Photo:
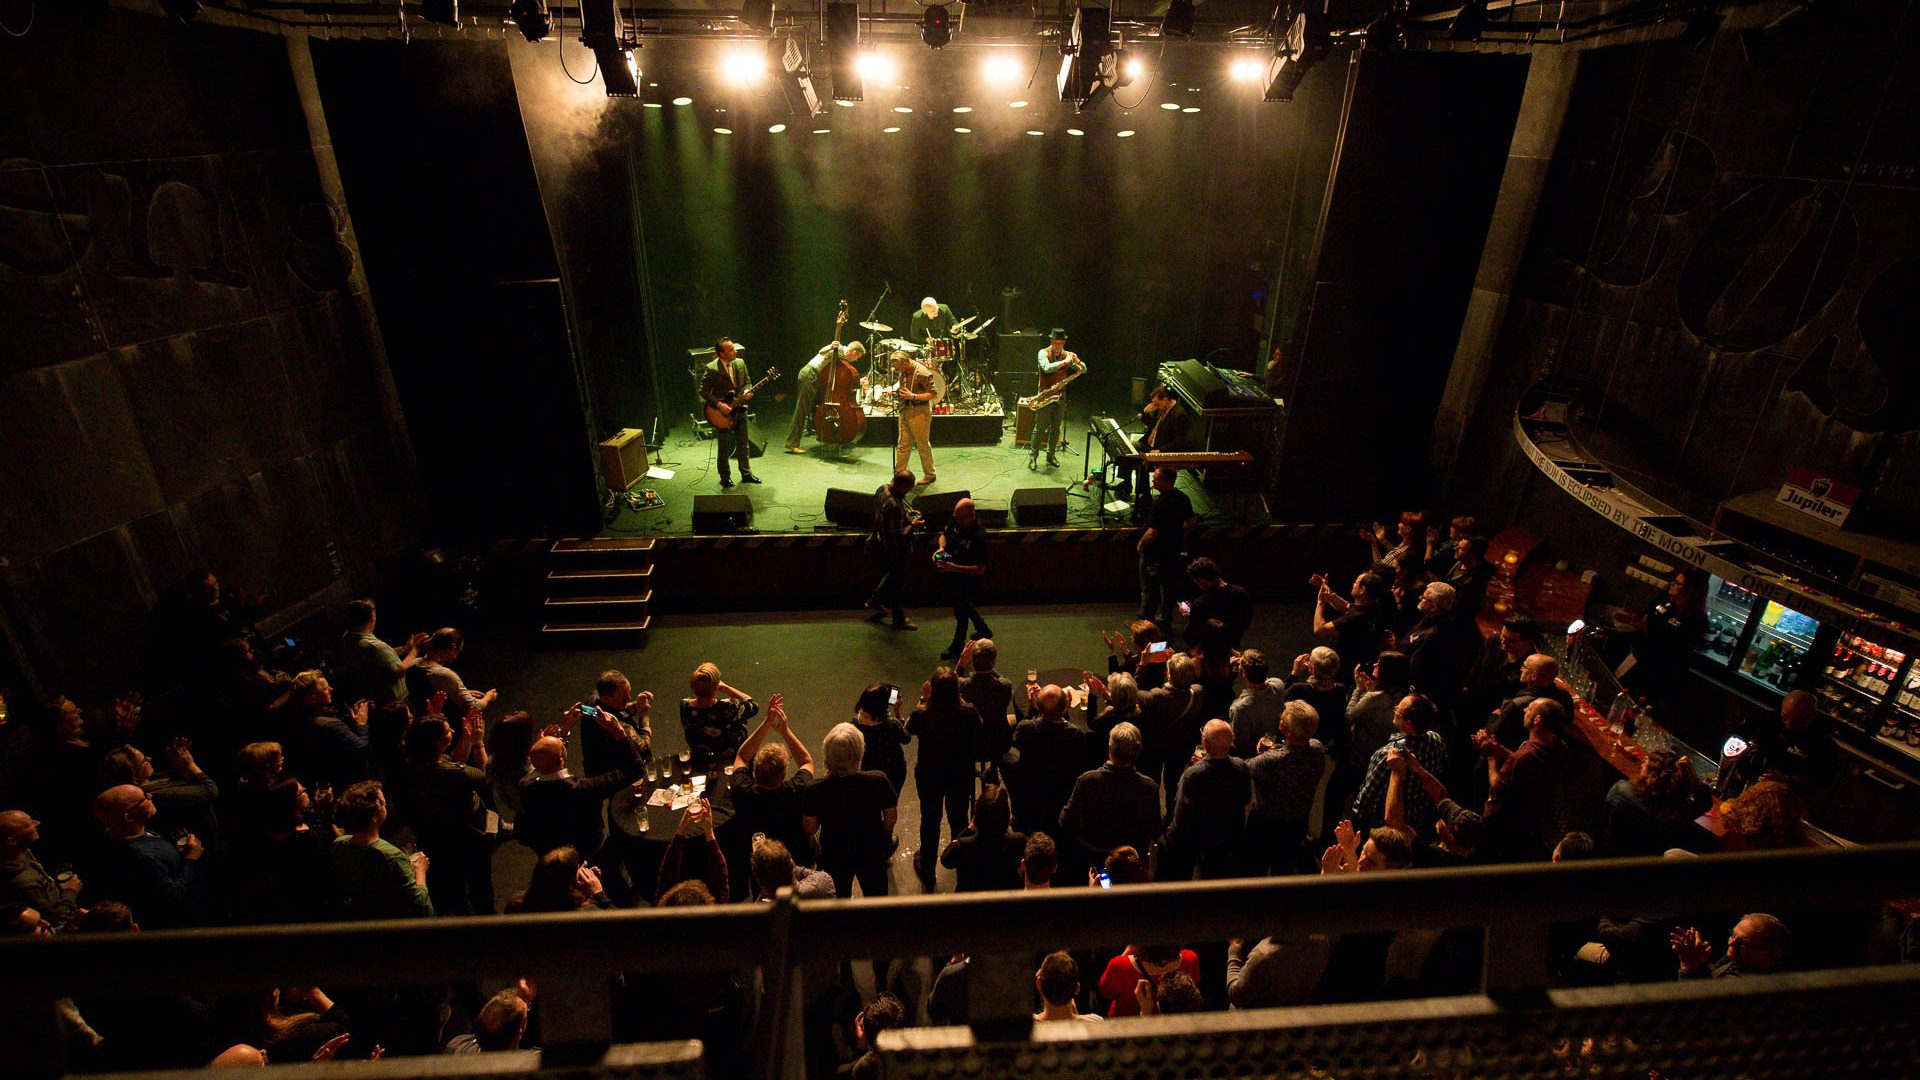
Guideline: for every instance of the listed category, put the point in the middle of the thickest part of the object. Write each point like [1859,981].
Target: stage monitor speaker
[991,515]
[850,509]
[1039,506]
[623,458]
[1018,348]
[721,513]
[937,507]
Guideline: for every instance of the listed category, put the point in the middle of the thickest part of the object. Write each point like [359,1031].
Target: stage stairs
[598,590]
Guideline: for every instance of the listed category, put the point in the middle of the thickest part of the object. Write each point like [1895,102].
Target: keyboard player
[1166,429]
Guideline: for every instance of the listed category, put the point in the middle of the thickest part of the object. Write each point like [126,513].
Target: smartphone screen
[1157,647]
[893,696]
[589,710]
[1105,881]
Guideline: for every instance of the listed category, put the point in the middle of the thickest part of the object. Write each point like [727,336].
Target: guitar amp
[623,459]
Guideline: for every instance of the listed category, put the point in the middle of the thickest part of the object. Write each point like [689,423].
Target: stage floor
[792,495]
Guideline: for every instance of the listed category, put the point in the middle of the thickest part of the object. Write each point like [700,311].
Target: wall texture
[191,369]
[1726,246]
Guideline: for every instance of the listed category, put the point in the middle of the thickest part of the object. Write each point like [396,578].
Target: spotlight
[1304,45]
[877,66]
[1001,69]
[1247,69]
[619,71]
[600,25]
[1086,48]
[1132,68]
[1178,21]
[532,17]
[796,79]
[936,27]
[843,46]
[776,129]
[1469,22]
[757,15]
[744,66]
[446,12]
[683,101]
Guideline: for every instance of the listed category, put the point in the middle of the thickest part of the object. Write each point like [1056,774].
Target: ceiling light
[1001,69]
[654,105]
[822,131]
[722,131]
[1134,67]
[888,131]
[902,109]
[962,131]
[1191,109]
[619,71]
[1127,134]
[776,129]
[683,101]
[963,108]
[1036,132]
[1247,69]
[844,104]
[877,66]
[1016,104]
[1075,131]
[1170,106]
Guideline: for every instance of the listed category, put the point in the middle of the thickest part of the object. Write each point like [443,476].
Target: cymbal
[981,329]
[962,324]
[877,327]
[898,343]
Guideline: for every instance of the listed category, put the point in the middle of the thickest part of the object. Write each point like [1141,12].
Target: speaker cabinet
[1039,506]
[623,458]
[937,507]
[1018,348]
[850,509]
[721,513]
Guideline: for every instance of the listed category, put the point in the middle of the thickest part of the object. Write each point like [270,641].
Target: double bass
[838,418]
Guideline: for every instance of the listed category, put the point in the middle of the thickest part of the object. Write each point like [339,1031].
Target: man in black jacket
[1217,599]
[1114,805]
[559,808]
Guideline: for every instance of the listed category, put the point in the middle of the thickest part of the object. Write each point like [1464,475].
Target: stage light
[1016,104]
[619,71]
[1304,44]
[963,108]
[776,129]
[796,78]
[879,67]
[1031,132]
[1170,106]
[1190,109]
[843,52]
[1127,134]
[683,101]
[1178,21]
[936,27]
[962,131]
[1469,22]
[1075,131]
[722,131]
[889,130]
[902,109]
[744,66]
[445,12]
[1132,67]
[1085,56]
[823,131]
[532,17]
[1001,69]
[1247,69]
[757,15]
[844,104]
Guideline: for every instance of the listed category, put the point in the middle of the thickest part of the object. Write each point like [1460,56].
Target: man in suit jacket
[726,374]
[1166,430]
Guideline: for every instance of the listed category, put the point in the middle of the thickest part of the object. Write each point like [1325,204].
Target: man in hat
[1057,365]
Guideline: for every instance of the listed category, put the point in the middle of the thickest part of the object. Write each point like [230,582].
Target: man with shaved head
[158,878]
[560,809]
[1048,755]
[962,562]
[1210,809]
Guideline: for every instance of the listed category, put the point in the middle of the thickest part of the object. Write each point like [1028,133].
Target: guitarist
[1056,366]
[725,386]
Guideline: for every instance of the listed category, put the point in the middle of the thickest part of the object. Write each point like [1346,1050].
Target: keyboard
[1196,459]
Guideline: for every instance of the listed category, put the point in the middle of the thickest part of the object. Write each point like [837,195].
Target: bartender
[1793,745]
[1670,630]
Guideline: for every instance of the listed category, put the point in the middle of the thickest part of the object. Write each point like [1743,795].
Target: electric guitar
[721,414]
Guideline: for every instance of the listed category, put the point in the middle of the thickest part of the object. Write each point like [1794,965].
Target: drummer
[933,322]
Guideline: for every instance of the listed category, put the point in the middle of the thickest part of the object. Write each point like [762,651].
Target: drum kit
[967,387]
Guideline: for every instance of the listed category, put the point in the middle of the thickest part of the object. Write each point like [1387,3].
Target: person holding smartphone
[1160,547]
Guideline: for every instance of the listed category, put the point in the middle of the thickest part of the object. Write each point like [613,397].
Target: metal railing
[572,955]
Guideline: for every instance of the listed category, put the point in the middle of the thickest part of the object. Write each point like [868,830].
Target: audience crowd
[376,785]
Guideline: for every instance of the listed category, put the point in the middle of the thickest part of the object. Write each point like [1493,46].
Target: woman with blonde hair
[715,718]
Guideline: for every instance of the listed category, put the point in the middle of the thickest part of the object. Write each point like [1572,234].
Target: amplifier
[1018,349]
[1039,506]
[623,458]
[721,513]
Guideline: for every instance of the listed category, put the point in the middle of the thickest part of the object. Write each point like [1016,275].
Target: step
[563,605]
[589,629]
[596,545]
[626,581]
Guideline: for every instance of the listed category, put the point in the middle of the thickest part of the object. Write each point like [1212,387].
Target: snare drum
[941,348]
